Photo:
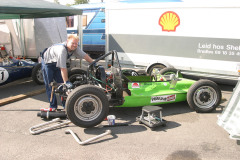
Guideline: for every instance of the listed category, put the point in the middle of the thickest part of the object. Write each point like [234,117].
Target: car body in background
[13,69]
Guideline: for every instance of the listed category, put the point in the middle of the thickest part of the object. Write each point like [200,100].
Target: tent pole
[80,31]
[80,34]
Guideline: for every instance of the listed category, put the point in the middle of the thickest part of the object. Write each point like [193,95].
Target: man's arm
[88,58]
[64,74]
[64,71]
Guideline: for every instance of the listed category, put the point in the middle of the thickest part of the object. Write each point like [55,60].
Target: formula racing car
[98,89]
[12,69]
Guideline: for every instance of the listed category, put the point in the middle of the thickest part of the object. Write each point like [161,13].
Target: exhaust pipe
[88,140]
[37,129]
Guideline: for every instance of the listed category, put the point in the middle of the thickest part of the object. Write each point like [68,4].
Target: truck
[202,39]
[92,32]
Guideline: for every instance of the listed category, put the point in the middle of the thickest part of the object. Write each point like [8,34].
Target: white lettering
[205,51]
[232,47]
[204,45]
[217,46]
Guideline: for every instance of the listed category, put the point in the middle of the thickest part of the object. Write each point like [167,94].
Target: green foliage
[56,1]
[75,3]
[80,2]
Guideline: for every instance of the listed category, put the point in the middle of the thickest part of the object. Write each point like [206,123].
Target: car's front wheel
[87,106]
[204,96]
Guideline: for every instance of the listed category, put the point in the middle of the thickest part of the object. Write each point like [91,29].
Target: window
[84,20]
[70,21]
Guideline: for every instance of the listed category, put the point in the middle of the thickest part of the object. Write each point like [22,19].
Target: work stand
[152,117]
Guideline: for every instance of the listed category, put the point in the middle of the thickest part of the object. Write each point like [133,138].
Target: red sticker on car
[135,85]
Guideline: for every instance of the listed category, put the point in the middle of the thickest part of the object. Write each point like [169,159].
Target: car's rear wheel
[169,71]
[37,74]
[204,96]
[87,106]
[155,69]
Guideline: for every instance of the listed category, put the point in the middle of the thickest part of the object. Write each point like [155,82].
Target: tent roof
[15,9]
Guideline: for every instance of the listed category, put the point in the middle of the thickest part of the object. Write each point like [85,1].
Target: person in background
[54,66]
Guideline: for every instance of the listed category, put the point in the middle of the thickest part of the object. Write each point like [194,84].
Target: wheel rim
[88,107]
[134,74]
[205,97]
[39,75]
[155,71]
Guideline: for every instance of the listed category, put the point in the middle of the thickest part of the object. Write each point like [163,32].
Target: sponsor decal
[165,98]
[169,21]
[146,83]
[3,75]
[135,85]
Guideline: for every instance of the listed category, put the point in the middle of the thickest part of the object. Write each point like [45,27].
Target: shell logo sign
[169,21]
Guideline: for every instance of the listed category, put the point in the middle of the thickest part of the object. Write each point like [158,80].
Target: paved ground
[187,136]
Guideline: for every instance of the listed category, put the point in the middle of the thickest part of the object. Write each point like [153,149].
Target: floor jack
[151,117]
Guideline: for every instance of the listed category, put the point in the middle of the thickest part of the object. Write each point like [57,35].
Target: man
[54,66]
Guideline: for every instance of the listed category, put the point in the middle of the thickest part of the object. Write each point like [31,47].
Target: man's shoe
[48,109]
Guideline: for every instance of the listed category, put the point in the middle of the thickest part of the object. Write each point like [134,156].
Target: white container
[111,119]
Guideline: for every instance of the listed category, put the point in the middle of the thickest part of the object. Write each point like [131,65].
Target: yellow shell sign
[169,21]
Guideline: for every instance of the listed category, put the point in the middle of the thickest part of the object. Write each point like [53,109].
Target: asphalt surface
[187,136]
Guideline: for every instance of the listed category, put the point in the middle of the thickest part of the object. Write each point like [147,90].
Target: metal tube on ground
[88,140]
[33,131]
[49,115]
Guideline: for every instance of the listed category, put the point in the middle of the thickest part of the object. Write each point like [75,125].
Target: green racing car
[98,89]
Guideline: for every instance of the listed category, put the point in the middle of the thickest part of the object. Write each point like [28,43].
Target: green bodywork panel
[146,92]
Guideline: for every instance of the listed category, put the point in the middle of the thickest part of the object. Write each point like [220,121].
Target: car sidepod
[155,93]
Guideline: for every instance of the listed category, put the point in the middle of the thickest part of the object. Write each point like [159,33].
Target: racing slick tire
[77,77]
[37,74]
[204,96]
[87,106]
[155,68]
[168,71]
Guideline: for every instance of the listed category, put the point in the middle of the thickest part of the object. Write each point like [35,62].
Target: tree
[56,1]
[80,2]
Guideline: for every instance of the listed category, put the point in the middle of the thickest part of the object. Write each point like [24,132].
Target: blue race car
[13,69]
